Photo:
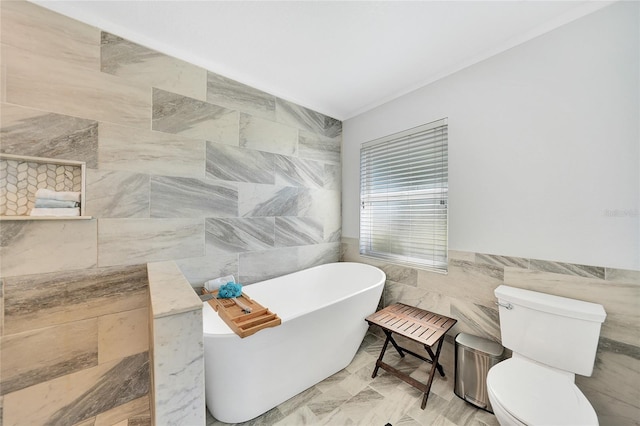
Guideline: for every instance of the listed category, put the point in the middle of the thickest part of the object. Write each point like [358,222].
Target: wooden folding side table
[418,325]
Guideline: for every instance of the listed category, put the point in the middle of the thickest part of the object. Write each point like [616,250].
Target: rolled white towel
[59,204]
[215,284]
[58,195]
[60,212]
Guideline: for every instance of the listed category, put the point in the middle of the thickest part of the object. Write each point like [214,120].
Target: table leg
[384,349]
[435,362]
[432,372]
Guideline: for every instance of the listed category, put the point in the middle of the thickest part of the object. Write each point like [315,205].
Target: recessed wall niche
[22,176]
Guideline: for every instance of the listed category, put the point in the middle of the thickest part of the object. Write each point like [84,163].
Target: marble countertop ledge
[169,290]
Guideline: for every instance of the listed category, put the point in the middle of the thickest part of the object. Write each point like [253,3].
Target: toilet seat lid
[538,395]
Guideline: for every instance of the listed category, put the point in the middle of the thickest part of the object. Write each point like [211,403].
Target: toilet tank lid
[553,304]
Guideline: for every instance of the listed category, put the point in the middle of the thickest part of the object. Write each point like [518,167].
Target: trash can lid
[480,344]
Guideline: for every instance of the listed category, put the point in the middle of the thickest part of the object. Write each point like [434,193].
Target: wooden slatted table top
[414,323]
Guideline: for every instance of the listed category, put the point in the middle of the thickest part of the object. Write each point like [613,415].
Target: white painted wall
[544,145]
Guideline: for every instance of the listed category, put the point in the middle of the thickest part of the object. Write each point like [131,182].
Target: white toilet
[552,339]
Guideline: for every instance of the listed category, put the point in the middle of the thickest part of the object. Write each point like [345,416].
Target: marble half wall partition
[177,348]
[75,347]
[466,293]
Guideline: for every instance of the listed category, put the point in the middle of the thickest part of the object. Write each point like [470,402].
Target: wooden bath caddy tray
[242,323]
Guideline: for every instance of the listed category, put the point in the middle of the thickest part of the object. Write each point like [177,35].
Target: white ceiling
[340,58]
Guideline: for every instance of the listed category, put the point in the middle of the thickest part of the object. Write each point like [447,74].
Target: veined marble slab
[116,194]
[81,395]
[146,151]
[256,200]
[178,369]
[298,231]
[40,355]
[299,172]
[181,115]
[186,197]
[132,241]
[36,301]
[130,60]
[567,268]
[234,95]
[324,204]
[169,291]
[239,164]
[31,247]
[306,119]
[265,135]
[34,28]
[239,235]
[313,146]
[60,87]
[26,131]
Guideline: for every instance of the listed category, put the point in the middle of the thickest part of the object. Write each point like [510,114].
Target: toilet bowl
[552,338]
[525,393]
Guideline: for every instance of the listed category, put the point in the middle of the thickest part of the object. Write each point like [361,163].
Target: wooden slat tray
[417,324]
[243,324]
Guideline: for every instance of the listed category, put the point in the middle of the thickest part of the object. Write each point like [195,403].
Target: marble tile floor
[352,397]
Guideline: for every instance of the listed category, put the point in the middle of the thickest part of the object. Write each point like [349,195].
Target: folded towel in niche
[55,212]
[49,203]
[58,195]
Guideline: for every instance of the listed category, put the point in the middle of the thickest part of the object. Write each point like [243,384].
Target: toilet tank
[556,331]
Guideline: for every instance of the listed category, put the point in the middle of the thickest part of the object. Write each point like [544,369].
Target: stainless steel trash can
[474,356]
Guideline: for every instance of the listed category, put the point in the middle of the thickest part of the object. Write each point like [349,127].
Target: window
[403,197]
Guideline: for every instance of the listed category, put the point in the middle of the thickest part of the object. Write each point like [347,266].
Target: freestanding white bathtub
[322,310]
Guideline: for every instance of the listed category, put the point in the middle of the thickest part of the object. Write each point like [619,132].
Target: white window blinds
[403,197]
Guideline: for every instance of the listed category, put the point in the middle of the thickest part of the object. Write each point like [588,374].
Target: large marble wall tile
[123,334]
[57,86]
[31,27]
[81,395]
[239,164]
[26,131]
[620,300]
[299,172]
[476,319]
[298,231]
[239,235]
[186,197]
[465,281]
[173,113]
[197,270]
[267,200]
[320,203]
[178,369]
[131,241]
[261,265]
[30,247]
[316,147]
[137,407]
[622,275]
[129,60]
[146,151]
[613,387]
[234,95]
[491,259]
[36,301]
[567,268]
[306,119]
[332,177]
[116,194]
[266,135]
[40,355]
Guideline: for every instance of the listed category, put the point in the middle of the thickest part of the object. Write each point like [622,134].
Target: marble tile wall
[466,293]
[182,165]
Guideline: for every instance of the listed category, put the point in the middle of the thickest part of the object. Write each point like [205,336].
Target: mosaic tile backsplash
[19,181]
